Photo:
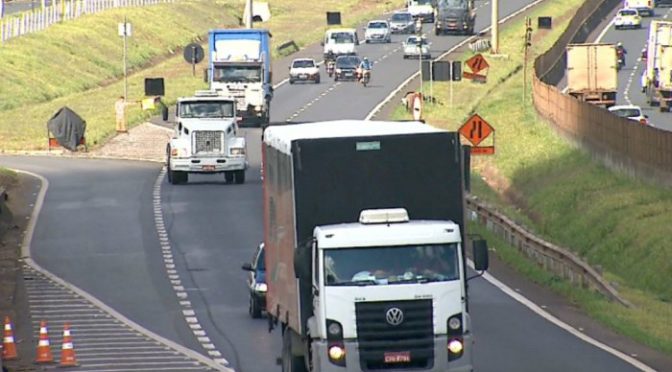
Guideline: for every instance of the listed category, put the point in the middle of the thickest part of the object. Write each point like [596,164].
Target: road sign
[193,53]
[477,63]
[124,29]
[476,129]
[483,150]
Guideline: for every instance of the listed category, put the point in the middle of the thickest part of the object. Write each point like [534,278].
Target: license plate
[303,76]
[398,357]
[348,74]
[209,168]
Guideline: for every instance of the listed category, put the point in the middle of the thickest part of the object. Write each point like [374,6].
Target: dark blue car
[256,282]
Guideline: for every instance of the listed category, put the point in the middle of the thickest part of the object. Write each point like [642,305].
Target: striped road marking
[102,343]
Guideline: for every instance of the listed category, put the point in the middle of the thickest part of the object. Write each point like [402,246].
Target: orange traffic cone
[8,345]
[43,347]
[68,349]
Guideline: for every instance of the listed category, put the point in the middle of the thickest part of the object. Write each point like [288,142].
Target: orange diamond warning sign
[476,129]
[477,63]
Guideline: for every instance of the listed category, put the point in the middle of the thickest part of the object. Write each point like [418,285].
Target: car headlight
[260,287]
[237,151]
[338,70]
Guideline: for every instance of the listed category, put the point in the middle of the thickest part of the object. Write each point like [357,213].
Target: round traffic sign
[193,53]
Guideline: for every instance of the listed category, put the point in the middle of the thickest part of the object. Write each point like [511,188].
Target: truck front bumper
[208,165]
[353,363]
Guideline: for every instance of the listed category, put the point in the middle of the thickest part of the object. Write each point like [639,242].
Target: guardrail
[33,21]
[620,144]
[551,257]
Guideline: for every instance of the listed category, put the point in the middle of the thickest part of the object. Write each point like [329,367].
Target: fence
[557,260]
[63,10]
[636,150]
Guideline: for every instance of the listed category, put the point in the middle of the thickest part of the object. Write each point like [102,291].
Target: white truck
[206,139]
[364,241]
[421,9]
[592,74]
[658,79]
[643,6]
[340,41]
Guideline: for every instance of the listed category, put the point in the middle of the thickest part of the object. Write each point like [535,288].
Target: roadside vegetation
[615,223]
[79,63]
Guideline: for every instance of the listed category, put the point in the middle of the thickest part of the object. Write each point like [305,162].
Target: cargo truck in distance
[206,139]
[592,74]
[455,16]
[659,65]
[240,66]
[365,246]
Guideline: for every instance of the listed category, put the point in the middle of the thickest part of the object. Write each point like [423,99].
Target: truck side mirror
[301,264]
[480,255]
[322,43]
[247,266]
[164,112]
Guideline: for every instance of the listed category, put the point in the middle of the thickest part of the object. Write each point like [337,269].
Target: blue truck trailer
[240,67]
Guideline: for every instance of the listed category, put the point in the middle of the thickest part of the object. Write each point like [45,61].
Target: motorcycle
[620,57]
[363,76]
[331,65]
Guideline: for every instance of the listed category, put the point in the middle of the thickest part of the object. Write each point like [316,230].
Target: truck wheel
[228,177]
[290,363]
[254,309]
[240,176]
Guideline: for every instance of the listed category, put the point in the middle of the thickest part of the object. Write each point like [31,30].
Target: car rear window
[303,64]
[627,113]
[401,17]
[628,12]
[377,25]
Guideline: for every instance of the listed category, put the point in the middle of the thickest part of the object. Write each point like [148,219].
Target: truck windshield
[342,38]
[391,265]
[459,4]
[237,74]
[206,109]
[421,2]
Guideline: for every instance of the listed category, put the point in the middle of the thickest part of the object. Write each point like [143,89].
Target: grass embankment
[619,224]
[78,63]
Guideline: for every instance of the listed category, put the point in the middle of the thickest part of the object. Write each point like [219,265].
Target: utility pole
[495,27]
[450,83]
[250,14]
[418,29]
[2,8]
[126,29]
[528,43]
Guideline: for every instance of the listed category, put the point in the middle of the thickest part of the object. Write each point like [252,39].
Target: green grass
[30,108]
[612,221]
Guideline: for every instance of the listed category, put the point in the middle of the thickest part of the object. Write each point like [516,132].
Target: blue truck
[240,67]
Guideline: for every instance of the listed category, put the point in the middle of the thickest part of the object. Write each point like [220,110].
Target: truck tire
[254,309]
[240,176]
[290,363]
[228,176]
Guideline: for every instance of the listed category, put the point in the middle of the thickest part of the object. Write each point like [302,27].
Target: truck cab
[455,16]
[205,139]
[421,9]
[390,294]
[340,41]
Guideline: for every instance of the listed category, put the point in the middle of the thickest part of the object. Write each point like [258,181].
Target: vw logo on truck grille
[394,316]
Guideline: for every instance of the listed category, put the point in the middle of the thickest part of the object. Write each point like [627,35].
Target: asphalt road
[97,230]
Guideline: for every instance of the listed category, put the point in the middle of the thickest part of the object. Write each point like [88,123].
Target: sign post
[475,130]
[125,32]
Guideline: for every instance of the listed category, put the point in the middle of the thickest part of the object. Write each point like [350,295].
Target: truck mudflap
[440,362]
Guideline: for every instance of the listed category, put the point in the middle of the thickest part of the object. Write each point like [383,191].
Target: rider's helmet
[619,44]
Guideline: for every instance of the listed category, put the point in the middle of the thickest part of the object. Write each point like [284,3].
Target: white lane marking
[451,50]
[604,31]
[559,323]
[307,105]
[109,312]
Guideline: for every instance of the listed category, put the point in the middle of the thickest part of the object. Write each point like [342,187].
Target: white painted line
[559,323]
[604,31]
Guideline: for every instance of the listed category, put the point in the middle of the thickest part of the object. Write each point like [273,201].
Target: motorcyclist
[364,67]
[330,63]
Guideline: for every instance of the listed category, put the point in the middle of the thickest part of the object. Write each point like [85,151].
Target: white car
[378,31]
[629,18]
[416,47]
[631,112]
[643,6]
[304,69]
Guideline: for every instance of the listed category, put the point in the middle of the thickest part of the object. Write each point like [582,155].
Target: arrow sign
[477,63]
[476,129]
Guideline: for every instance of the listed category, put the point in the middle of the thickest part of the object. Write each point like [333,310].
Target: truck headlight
[257,107]
[455,346]
[336,353]
[260,287]
[454,323]
[237,151]
[334,329]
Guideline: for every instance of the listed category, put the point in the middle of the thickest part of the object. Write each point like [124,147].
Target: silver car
[378,31]
[402,23]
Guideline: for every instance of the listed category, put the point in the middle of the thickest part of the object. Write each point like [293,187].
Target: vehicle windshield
[628,12]
[347,62]
[206,109]
[342,38]
[458,4]
[414,41]
[303,63]
[422,2]
[237,74]
[377,25]
[391,265]
[627,113]
[402,17]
